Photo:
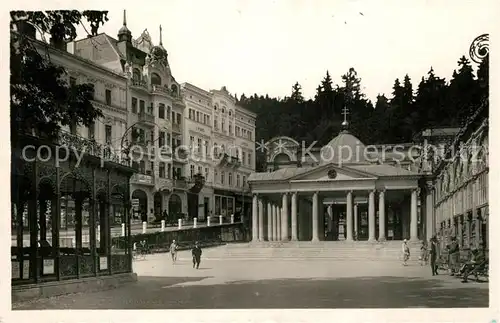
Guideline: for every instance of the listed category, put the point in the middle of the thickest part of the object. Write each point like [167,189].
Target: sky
[265,46]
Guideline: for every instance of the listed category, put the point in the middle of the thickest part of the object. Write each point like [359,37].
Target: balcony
[230,161]
[158,89]
[140,84]
[146,117]
[90,147]
[142,179]
[176,127]
[180,183]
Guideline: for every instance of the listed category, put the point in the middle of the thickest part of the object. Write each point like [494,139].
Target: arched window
[136,74]
[155,79]
[174,89]
[230,112]
[215,107]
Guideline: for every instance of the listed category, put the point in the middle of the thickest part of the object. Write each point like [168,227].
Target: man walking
[196,253]
[454,252]
[406,252]
[173,251]
[433,255]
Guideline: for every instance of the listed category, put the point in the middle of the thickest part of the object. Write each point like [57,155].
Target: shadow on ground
[358,292]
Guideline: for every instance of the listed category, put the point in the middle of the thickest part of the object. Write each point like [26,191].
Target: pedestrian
[423,253]
[433,255]
[454,252]
[196,253]
[173,251]
[406,252]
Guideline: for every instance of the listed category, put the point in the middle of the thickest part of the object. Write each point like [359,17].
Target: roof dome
[343,149]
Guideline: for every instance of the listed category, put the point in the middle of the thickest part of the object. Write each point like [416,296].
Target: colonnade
[276,216]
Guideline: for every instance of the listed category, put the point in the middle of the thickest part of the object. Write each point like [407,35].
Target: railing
[176,127]
[140,83]
[90,147]
[180,183]
[142,179]
[146,117]
[163,90]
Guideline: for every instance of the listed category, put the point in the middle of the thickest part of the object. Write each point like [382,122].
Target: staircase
[341,250]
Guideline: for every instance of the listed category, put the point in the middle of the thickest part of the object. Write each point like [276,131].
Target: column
[275,221]
[255,219]
[371,216]
[261,220]
[413,216]
[269,221]
[477,228]
[381,216]
[278,223]
[315,218]
[284,217]
[349,216]
[429,212]
[356,221]
[294,217]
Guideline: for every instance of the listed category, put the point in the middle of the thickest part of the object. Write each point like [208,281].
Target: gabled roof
[366,171]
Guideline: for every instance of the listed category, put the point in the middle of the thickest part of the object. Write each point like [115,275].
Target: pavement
[275,283]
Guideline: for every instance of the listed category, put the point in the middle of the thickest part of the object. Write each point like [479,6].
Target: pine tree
[297,93]
[463,92]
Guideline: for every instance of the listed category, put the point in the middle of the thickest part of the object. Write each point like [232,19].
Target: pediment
[333,172]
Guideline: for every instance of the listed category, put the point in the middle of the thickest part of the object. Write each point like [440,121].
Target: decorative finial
[124,17]
[161,42]
[480,48]
[345,112]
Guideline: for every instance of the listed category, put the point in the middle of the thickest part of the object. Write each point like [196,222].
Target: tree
[463,92]
[297,93]
[42,99]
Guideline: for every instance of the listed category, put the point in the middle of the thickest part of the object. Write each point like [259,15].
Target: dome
[343,149]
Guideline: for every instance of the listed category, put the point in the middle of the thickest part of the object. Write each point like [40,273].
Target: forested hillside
[393,118]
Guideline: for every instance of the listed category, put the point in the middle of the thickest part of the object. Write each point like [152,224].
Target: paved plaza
[275,283]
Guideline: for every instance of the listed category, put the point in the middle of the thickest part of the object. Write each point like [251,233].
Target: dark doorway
[206,203]
[192,205]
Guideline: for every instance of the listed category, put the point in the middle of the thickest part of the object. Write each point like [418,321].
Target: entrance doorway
[206,203]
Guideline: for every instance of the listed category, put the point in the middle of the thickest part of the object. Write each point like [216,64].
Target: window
[136,74]
[223,110]
[168,139]
[237,130]
[216,124]
[168,171]
[199,146]
[222,125]
[200,170]
[161,141]
[215,176]
[162,170]
[238,180]
[206,173]
[108,134]
[244,180]
[222,177]
[134,105]
[161,111]
[151,109]
[244,157]
[197,116]
[250,159]
[168,112]
[91,131]
[192,170]
[230,129]
[250,135]
[230,179]
[142,106]
[208,120]
[178,118]
[152,136]
[191,141]
[142,167]
[151,168]
[173,116]
[230,113]
[108,97]
[155,79]
[206,147]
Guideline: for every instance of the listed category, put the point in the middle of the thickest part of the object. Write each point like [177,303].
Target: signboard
[103,263]
[390,233]
[48,266]
[26,269]
[135,204]
[16,273]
